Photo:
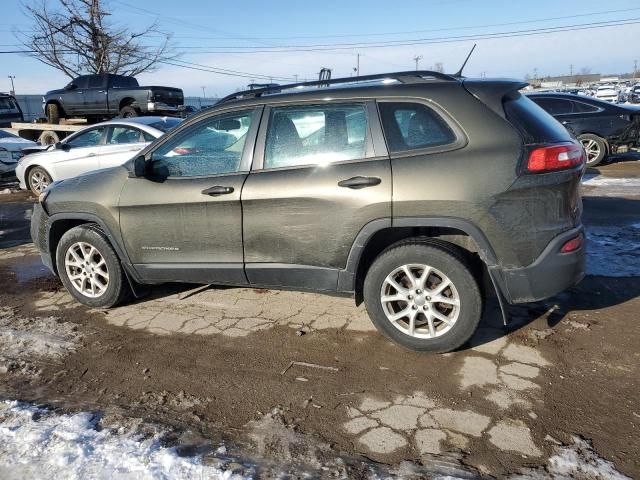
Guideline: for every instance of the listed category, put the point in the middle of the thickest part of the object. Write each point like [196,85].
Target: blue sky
[201,28]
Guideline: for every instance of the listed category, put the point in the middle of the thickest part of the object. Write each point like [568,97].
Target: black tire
[128,112]
[37,180]
[53,113]
[600,144]
[117,288]
[445,260]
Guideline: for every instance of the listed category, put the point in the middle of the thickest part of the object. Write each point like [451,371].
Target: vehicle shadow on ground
[594,293]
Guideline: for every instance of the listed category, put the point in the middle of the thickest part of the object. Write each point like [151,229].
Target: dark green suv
[417,192]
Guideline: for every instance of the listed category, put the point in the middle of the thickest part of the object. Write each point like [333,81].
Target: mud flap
[501,300]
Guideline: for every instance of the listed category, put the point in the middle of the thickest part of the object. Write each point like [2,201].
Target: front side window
[121,135]
[315,135]
[88,138]
[95,81]
[413,126]
[212,147]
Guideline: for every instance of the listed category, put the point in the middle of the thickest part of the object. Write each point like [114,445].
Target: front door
[183,221]
[121,144]
[81,153]
[319,178]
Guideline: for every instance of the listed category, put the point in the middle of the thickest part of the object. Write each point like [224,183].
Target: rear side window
[555,106]
[579,107]
[413,126]
[315,135]
[535,125]
[123,82]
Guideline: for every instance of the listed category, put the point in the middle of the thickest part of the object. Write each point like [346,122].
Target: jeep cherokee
[419,193]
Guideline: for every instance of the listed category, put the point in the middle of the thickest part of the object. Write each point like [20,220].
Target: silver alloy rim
[591,148]
[86,269]
[420,301]
[39,181]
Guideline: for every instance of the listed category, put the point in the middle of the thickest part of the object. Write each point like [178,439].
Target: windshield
[8,105]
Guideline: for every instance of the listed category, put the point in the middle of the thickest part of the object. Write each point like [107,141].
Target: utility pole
[204,92]
[357,64]
[417,59]
[13,88]
[571,73]
[296,77]
[635,69]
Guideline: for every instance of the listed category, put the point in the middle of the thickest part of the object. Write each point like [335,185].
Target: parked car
[109,95]
[417,195]
[100,146]
[607,93]
[10,110]
[602,128]
[11,150]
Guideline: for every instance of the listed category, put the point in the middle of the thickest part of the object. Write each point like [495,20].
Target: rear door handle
[217,190]
[359,182]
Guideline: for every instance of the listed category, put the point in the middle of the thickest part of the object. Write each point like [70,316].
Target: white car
[608,93]
[11,151]
[103,145]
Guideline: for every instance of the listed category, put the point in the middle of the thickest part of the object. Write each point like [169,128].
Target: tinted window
[211,147]
[81,82]
[535,124]
[579,107]
[95,81]
[8,105]
[88,138]
[555,106]
[123,82]
[120,135]
[411,126]
[315,135]
[148,137]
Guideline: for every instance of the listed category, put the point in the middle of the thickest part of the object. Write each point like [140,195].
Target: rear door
[318,178]
[121,144]
[73,99]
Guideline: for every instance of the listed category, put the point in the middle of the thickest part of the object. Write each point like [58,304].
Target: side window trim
[371,148]
[249,146]
[461,139]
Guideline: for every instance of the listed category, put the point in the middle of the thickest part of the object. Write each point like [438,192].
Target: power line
[422,41]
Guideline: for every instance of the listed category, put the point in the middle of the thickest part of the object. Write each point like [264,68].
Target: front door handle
[359,182]
[217,190]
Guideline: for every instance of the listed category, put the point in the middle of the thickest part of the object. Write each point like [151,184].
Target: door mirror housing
[62,146]
[139,167]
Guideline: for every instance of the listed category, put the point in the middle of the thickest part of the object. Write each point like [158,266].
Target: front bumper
[40,235]
[551,273]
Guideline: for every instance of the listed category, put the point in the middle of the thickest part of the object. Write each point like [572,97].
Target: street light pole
[13,88]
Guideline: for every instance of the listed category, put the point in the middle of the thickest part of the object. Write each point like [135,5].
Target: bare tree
[78,37]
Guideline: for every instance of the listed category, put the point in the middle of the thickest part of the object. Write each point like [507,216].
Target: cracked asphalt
[214,361]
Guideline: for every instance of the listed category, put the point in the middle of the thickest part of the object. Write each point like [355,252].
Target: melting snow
[613,251]
[38,444]
[611,186]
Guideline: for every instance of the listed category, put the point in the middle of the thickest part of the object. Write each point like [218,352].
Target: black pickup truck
[108,96]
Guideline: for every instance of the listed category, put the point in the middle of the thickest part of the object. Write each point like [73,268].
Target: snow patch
[578,460]
[611,186]
[613,251]
[38,444]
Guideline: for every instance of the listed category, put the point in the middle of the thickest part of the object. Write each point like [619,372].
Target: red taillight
[572,245]
[557,157]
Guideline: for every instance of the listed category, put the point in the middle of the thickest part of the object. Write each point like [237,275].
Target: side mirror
[57,145]
[139,166]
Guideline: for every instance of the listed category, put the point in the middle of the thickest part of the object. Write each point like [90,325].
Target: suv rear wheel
[89,267]
[423,297]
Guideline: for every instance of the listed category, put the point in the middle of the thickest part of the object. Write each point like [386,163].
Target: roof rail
[411,76]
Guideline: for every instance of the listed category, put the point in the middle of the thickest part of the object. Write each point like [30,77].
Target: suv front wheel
[423,297]
[89,267]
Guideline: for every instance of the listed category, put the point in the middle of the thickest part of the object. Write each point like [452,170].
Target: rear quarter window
[413,126]
[535,125]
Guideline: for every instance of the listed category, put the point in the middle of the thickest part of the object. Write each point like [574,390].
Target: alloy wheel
[591,148]
[39,181]
[420,301]
[87,269]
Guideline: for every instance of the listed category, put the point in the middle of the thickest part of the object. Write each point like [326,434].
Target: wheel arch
[127,102]
[378,235]
[55,102]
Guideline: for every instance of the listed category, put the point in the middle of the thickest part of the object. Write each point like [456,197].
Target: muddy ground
[214,363]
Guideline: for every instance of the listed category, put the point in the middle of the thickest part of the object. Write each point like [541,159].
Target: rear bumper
[551,273]
[159,107]
[40,235]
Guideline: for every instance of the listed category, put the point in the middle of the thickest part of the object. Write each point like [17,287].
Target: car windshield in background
[165,124]
[8,105]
